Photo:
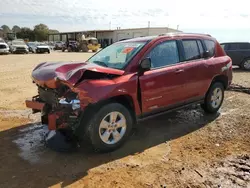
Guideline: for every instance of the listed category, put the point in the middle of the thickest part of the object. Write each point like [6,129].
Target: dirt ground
[186,148]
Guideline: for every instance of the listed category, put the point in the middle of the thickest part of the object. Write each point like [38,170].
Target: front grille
[2,46]
[20,48]
[42,50]
[48,96]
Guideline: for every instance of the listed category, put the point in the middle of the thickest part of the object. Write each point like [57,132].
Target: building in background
[107,37]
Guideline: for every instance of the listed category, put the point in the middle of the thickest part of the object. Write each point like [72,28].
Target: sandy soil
[183,149]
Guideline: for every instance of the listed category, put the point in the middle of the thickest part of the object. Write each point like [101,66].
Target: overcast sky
[226,20]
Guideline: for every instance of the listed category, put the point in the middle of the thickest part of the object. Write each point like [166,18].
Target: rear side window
[191,50]
[164,54]
[210,45]
[233,46]
[244,46]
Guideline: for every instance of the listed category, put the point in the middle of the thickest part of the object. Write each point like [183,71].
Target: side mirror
[145,65]
[206,54]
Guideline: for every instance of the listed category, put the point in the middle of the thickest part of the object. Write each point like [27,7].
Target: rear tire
[105,133]
[214,98]
[245,65]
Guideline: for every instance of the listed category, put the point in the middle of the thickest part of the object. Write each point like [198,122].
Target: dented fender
[93,91]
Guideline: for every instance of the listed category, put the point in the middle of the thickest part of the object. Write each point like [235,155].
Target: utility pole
[148,27]
[177,27]
[110,25]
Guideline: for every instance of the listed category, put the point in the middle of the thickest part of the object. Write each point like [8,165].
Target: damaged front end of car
[59,100]
[59,107]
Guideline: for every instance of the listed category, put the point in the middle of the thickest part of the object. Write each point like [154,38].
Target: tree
[26,33]
[1,33]
[5,29]
[16,29]
[41,32]
[53,31]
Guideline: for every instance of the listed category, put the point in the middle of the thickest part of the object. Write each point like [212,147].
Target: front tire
[214,98]
[109,128]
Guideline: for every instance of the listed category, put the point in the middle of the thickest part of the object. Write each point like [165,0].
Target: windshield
[18,43]
[31,44]
[117,55]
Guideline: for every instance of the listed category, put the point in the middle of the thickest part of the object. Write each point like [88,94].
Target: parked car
[102,99]
[4,48]
[239,53]
[71,46]
[32,46]
[42,48]
[58,45]
[19,46]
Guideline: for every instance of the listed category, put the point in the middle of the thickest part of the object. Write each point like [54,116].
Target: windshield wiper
[101,63]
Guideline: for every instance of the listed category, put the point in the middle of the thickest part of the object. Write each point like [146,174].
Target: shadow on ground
[31,164]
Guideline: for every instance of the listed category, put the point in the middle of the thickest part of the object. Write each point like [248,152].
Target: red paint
[52,121]
[34,104]
[158,88]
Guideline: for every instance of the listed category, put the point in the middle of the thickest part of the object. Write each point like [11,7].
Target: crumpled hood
[48,74]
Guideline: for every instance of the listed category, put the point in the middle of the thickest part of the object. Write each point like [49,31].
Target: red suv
[103,98]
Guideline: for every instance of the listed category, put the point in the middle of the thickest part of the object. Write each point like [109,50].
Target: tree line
[38,33]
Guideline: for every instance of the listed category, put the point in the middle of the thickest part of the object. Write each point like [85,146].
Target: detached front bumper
[37,106]
[56,119]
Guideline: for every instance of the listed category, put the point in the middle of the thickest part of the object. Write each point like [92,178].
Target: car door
[196,69]
[162,85]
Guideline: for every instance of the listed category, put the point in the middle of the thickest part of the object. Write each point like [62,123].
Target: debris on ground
[239,88]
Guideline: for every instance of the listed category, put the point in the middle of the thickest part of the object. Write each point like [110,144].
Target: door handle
[178,71]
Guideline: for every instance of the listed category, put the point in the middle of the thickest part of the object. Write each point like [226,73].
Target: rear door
[196,69]
[162,85]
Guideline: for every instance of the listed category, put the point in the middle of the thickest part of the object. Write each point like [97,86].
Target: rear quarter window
[210,45]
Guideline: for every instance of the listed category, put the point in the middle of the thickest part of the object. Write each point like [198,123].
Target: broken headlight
[75,103]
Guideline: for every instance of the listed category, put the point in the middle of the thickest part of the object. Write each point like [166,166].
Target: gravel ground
[183,149]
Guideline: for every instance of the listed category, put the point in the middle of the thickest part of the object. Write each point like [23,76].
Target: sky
[225,20]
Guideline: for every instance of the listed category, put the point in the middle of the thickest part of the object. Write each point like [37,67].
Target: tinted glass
[244,46]
[200,48]
[210,45]
[191,50]
[164,54]
[233,46]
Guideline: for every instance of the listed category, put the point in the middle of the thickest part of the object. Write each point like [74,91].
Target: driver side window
[164,54]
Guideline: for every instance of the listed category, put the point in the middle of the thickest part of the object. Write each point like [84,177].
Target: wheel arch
[126,100]
[222,79]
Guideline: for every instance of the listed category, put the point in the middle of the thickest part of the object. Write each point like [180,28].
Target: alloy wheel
[112,128]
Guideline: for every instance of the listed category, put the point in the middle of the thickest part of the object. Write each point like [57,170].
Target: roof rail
[172,33]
